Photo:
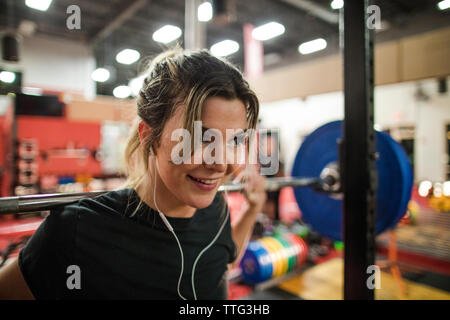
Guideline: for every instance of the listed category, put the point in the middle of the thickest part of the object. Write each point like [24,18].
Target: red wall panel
[58,134]
[6,121]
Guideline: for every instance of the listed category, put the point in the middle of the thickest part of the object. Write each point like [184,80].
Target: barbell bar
[41,202]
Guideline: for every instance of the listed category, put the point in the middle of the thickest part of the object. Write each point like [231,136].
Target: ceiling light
[41,5]
[167,34]
[337,4]
[312,46]
[224,48]
[445,4]
[205,12]
[100,75]
[122,92]
[7,76]
[32,91]
[268,31]
[128,56]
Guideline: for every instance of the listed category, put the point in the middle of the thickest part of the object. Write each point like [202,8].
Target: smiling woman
[180,90]
[167,234]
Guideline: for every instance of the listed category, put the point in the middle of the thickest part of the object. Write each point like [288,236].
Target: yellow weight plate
[273,257]
[279,263]
[284,255]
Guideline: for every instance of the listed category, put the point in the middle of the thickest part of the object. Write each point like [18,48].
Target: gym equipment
[301,245]
[280,261]
[316,166]
[289,252]
[272,257]
[256,264]
[318,155]
[48,201]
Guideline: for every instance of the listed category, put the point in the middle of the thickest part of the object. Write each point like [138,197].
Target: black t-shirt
[123,256]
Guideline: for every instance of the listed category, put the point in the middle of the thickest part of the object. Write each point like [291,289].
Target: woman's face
[186,183]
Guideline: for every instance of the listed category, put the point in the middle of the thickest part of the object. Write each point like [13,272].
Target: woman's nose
[215,159]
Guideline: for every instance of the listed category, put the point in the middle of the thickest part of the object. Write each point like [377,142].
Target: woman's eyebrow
[239,129]
[239,132]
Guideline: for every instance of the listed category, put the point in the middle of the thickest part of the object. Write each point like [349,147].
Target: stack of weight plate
[271,257]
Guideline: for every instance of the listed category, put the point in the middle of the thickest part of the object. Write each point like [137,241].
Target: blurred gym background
[71,69]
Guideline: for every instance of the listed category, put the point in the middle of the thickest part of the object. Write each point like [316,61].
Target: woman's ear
[144,131]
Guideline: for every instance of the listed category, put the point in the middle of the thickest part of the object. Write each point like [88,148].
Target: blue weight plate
[256,264]
[324,212]
[407,175]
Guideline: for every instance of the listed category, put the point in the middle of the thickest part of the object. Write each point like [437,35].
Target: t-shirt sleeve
[45,258]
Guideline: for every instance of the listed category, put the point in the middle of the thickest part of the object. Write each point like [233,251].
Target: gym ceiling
[112,25]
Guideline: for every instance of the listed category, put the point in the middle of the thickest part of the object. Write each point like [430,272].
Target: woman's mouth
[204,184]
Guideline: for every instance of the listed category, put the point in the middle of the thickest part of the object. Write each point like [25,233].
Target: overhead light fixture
[7,76]
[167,34]
[205,11]
[224,48]
[100,75]
[122,92]
[337,4]
[32,91]
[312,46]
[443,5]
[128,56]
[41,5]
[268,31]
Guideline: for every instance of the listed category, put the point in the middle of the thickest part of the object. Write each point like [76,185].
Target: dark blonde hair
[174,78]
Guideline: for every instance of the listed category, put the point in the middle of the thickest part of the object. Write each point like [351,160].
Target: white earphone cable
[166,222]
[206,248]
[169,226]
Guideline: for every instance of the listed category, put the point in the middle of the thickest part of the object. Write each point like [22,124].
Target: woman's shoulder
[110,203]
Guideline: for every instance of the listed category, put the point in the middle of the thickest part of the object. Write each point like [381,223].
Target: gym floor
[417,267]
[325,282]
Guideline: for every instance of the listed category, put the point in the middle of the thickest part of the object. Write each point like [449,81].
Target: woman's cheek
[233,169]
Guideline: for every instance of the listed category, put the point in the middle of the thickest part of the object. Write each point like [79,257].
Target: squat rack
[358,172]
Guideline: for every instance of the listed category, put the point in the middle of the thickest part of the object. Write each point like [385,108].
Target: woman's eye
[237,141]
[211,140]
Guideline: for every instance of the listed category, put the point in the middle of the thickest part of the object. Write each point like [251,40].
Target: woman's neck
[166,202]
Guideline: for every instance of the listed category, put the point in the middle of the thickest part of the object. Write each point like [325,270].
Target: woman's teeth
[205,181]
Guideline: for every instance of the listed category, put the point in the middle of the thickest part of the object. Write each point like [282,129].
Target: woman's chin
[201,202]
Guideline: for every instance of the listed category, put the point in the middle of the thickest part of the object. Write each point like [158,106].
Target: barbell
[41,202]
[316,166]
